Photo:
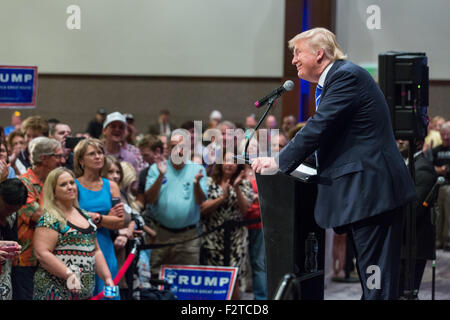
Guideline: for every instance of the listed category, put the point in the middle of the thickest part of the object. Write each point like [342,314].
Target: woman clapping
[229,198]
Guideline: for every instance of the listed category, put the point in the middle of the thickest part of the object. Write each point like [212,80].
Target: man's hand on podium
[265,165]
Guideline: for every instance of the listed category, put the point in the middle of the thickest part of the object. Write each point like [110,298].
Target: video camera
[71,142]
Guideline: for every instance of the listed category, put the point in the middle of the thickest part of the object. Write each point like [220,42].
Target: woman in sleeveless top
[65,244]
[94,195]
[229,198]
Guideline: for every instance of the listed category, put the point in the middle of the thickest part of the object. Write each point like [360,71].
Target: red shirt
[254,211]
[25,226]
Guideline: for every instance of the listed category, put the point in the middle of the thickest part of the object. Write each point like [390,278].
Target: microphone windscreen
[288,85]
[440,180]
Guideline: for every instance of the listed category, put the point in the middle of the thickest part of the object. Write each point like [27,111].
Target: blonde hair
[433,138]
[35,123]
[80,150]
[129,176]
[50,203]
[320,38]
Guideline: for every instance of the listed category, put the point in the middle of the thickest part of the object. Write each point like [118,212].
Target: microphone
[287,86]
[439,181]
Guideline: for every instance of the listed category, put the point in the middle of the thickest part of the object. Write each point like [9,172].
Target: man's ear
[320,54]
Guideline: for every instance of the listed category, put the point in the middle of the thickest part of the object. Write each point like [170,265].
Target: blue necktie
[318,94]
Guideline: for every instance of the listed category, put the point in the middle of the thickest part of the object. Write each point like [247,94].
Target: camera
[139,222]
[71,142]
[135,216]
[114,201]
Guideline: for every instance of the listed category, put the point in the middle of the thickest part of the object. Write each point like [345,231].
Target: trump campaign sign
[18,87]
[200,282]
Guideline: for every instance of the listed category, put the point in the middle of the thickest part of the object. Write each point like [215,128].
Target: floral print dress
[76,249]
[5,266]
[213,243]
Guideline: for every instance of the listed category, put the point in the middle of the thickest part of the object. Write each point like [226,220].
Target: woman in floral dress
[66,244]
[229,198]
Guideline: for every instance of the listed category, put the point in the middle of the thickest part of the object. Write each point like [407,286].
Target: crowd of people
[71,205]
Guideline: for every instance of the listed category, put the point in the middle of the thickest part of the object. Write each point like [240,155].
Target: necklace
[92,185]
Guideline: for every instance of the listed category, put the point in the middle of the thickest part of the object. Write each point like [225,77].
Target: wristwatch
[98,218]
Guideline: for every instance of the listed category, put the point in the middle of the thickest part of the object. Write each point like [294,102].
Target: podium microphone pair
[439,181]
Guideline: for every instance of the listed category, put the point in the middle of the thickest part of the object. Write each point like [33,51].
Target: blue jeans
[258,263]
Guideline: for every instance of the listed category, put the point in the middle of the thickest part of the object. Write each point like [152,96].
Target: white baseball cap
[215,115]
[115,116]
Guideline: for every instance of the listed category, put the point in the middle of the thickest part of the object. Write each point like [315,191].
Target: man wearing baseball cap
[114,130]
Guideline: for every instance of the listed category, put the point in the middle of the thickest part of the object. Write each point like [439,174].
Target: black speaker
[403,78]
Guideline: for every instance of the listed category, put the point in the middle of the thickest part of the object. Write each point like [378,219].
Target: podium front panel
[287,212]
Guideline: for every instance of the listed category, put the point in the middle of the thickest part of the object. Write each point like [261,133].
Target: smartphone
[111,292]
[114,201]
[71,142]
[9,248]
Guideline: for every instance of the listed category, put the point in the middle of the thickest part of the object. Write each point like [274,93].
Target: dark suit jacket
[425,178]
[155,128]
[94,129]
[361,172]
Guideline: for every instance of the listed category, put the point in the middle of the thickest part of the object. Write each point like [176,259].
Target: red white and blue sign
[200,282]
[18,86]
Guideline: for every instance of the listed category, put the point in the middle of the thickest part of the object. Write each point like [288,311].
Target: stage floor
[352,291]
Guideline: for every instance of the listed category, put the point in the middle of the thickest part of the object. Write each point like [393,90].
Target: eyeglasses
[57,155]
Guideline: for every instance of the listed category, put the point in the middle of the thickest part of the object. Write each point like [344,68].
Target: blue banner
[18,86]
[200,282]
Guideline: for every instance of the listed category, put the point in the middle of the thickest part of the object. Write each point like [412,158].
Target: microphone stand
[245,157]
[433,279]
[433,262]
[411,245]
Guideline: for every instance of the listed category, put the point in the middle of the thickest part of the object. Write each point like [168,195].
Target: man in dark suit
[425,178]
[363,182]
[163,126]
[95,126]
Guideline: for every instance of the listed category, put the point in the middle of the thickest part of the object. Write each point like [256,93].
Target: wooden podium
[287,213]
